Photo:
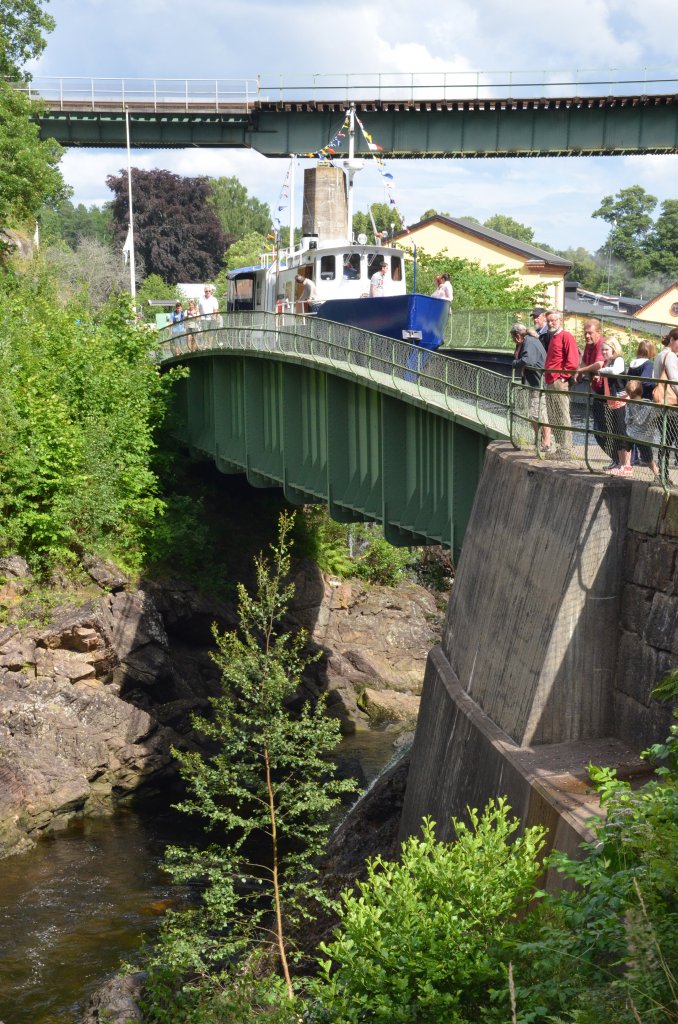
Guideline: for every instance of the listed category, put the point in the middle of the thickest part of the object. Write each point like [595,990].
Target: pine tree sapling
[266,793]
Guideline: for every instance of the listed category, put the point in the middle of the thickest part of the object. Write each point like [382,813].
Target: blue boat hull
[393,315]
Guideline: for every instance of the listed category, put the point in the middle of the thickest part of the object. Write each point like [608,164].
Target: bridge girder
[578,126]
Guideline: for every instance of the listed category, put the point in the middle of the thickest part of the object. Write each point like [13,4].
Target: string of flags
[283,201]
[329,151]
[387,178]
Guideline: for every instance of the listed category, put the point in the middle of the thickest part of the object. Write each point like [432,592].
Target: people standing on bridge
[540,328]
[588,371]
[666,369]
[308,295]
[209,307]
[192,314]
[562,360]
[614,390]
[529,358]
[443,288]
[378,282]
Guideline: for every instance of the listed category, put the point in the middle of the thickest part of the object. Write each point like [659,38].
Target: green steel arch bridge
[470,114]
[377,429]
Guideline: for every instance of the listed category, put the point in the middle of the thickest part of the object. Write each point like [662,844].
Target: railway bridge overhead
[508,114]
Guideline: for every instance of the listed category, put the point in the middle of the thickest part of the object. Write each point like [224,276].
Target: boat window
[374,262]
[396,268]
[352,266]
[241,293]
[328,268]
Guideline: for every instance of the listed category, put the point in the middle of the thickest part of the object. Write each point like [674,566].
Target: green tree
[629,214]
[239,213]
[440,213]
[29,174]
[425,939]
[662,242]
[246,252]
[24,24]
[475,287]
[266,795]
[508,226]
[68,223]
[385,218]
[79,404]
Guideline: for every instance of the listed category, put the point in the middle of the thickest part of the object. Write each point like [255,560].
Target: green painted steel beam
[327,438]
[602,125]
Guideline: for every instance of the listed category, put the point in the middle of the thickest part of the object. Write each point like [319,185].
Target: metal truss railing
[339,86]
[586,431]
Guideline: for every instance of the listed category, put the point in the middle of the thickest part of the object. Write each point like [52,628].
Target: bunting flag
[387,178]
[283,200]
[328,152]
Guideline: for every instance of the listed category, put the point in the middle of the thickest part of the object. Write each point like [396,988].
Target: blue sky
[240,39]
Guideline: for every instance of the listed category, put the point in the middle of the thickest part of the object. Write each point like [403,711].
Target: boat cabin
[338,272]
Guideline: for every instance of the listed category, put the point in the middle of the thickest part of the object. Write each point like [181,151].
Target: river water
[81,902]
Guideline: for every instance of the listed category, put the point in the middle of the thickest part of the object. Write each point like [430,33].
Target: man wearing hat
[540,327]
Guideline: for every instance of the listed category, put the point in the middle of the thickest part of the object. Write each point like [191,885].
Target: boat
[340,267]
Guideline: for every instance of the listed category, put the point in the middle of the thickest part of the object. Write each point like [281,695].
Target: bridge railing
[490,328]
[426,378]
[339,86]
[586,430]
[155,93]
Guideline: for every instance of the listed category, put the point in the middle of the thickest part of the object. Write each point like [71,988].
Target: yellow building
[467,240]
[662,309]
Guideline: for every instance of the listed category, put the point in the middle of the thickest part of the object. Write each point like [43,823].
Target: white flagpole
[130,235]
[293,160]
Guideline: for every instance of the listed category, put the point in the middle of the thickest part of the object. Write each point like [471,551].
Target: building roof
[469,227]
[651,301]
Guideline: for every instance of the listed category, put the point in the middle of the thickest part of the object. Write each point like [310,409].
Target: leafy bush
[355,549]
[79,403]
[425,938]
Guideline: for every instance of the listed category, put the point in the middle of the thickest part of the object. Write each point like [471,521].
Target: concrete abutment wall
[563,617]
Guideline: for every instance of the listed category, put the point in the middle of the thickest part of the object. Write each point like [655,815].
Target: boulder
[117,1002]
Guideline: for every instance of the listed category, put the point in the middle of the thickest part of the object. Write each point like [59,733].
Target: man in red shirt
[562,361]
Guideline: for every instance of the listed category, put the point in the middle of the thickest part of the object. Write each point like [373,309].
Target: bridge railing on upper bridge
[491,328]
[587,430]
[218,94]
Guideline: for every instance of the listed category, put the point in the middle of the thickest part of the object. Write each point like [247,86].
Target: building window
[674,309]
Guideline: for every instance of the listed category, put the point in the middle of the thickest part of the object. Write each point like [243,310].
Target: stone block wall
[648,627]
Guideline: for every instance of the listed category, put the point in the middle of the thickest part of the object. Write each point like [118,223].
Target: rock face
[91,706]
[372,637]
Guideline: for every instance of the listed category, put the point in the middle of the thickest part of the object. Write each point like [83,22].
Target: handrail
[396,86]
[501,406]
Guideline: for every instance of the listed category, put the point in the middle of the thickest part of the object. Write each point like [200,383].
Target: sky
[292,40]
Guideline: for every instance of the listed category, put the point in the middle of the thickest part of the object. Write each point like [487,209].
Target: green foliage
[29,173]
[78,403]
[246,251]
[153,287]
[90,274]
[607,952]
[355,549]
[67,223]
[628,212]
[265,795]
[475,287]
[239,213]
[385,218]
[24,24]
[508,226]
[425,938]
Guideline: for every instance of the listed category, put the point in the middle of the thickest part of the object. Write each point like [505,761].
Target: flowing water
[81,902]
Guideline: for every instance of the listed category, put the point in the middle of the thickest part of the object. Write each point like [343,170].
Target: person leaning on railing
[588,371]
[562,360]
[529,356]
[614,390]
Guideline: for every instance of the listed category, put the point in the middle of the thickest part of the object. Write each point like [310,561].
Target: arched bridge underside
[377,429]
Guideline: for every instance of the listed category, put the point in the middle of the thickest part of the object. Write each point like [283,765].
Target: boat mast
[351,166]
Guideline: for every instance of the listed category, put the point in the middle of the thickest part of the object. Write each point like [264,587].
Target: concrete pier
[528,685]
